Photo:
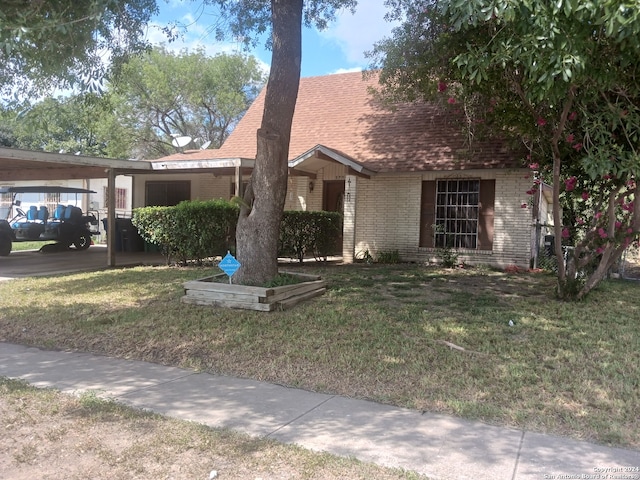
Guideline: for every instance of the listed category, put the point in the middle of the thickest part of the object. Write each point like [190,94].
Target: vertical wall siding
[388,216]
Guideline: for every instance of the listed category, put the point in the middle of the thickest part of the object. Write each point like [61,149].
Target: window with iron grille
[457,213]
[52,200]
[121,198]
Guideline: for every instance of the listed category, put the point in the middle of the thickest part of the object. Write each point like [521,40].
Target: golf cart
[66,225]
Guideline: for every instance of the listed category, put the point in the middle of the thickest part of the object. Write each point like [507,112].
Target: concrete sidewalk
[438,446]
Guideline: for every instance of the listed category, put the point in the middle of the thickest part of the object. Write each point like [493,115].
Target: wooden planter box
[209,291]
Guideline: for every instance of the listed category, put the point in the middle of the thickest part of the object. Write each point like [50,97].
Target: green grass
[379,333]
[47,434]
[20,246]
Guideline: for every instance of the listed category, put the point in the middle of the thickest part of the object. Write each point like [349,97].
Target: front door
[333,201]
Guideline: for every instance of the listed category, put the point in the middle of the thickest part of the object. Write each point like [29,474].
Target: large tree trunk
[259,223]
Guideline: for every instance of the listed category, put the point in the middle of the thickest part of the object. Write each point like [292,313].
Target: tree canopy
[77,123]
[158,95]
[161,94]
[558,78]
[62,43]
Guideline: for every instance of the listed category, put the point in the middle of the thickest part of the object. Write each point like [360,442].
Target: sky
[338,49]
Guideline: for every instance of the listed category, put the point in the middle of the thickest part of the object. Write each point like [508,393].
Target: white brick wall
[388,217]
[384,213]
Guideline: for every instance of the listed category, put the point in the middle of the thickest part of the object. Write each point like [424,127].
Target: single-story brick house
[394,173]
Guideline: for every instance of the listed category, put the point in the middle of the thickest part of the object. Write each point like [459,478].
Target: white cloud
[196,37]
[348,70]
[356,33]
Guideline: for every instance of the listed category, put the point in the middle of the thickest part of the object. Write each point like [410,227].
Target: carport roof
[17,164]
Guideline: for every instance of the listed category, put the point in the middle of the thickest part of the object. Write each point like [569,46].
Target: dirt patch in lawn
[48,435]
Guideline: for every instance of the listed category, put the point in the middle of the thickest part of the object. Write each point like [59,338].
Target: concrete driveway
[32,263]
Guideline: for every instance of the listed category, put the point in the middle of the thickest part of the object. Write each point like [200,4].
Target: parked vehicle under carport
[67,225]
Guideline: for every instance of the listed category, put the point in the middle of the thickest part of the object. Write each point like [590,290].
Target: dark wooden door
[333,201]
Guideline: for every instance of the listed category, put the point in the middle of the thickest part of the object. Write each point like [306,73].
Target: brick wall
[388,217]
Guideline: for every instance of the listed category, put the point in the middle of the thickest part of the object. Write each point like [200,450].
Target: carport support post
[238,180]
[111,218]
[349,219]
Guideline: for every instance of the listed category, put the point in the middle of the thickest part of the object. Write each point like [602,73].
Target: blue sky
[340,48]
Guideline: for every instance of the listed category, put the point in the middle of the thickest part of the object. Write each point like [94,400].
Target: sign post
[229,265]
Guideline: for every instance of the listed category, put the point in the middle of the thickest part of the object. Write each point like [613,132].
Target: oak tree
[263,202]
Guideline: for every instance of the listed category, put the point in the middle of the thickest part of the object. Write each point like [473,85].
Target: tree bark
[259,222]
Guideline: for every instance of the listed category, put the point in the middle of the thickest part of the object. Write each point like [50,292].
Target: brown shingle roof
[339,112]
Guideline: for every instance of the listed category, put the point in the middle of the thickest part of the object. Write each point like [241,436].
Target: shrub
[448,257]
[388,256]
[195,230]
[191,230]
[309,233]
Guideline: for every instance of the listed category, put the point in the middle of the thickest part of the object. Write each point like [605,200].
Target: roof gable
[338,112]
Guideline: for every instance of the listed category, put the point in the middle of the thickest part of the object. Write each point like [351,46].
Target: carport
[19,165]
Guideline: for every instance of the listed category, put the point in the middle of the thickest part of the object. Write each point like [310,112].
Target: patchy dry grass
[46,433]
[380,332]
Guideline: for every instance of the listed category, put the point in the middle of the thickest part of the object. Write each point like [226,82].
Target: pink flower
[629,230]
[579,221]
[585,195]
[523,205]
[607,176]
[570,183]
[618,225]
[599,250]
[442,86]
[572,116]
[598,215]
[531,191]
[537,181]
[602,233]
[571,138]
[541,122]
[451,101]
[534,166]
[577,147]
[565,233]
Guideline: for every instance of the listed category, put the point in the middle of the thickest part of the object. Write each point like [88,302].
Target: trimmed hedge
[310,233]
[195,230]
[191,230]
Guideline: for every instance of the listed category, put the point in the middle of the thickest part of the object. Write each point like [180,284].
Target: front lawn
[418,337]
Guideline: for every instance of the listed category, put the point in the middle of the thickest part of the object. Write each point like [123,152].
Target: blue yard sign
[229,265]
